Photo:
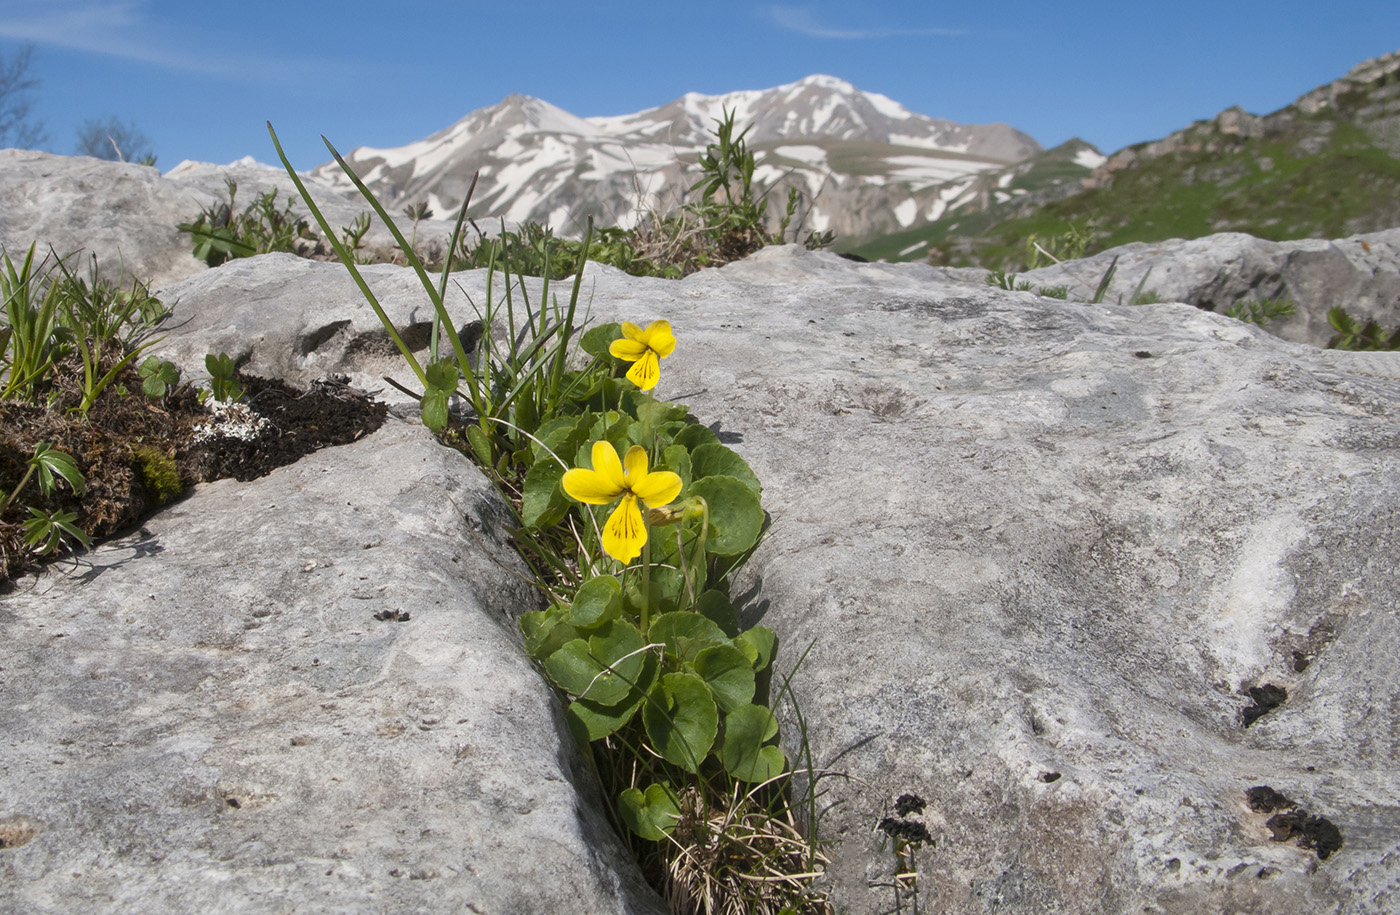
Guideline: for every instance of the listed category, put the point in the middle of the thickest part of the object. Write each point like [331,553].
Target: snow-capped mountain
[869,164]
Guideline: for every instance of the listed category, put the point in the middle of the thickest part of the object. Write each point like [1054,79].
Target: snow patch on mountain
[1089,158]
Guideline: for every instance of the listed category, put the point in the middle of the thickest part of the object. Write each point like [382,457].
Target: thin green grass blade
[409,254]
[348,259]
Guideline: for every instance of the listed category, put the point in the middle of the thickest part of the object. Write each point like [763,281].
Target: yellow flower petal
[657,488]
[631,331]
[658,338]
[635,465]
[605,462]
[630,350]
[624,535]
[645,372]
[589,486]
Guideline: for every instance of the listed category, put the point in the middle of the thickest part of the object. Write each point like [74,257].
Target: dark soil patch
[136,453]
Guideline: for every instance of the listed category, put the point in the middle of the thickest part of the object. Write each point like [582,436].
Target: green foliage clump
[1353,335]
[45,529]
[222,232]
[1261,311]
[48,318]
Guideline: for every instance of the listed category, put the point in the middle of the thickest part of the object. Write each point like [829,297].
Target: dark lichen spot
[1317,833]
[1143,354]
[1049,777]
[1266,698]
[1263,799]
[1293,823]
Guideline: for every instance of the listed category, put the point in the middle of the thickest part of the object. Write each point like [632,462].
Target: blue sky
[200,79]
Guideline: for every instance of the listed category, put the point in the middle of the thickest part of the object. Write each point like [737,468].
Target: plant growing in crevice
[46,529]
[633,518]
[1261,311]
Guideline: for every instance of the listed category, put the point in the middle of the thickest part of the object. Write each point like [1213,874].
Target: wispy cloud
[801,20]
[126,29]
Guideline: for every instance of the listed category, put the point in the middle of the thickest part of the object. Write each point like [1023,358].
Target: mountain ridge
[867,162]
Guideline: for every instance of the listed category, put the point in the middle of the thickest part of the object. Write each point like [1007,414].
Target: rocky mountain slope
[1326,166]
[872,165]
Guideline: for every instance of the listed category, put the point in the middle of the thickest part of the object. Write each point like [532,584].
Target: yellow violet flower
[625,534]
[645,349]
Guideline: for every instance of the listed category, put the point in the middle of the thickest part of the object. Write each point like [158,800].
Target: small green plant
[1353,335]
[633,518]
[48,317]
[32,339]
[416,213]
[1003,280]
[1261,311]
[1069,245]
[352,237]
[105,323]
[46,529]
[157,377]
[221,232]
[223,379]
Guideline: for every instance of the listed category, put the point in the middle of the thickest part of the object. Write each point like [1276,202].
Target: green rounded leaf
[736,517]
[743,754]
[598,600]
[758,644]
[596,340]
[685,634]
[546,631]
[651,814]
[677,460]
[729,674]
[681,719]
[593,721]
[695,435]
[716,460]
[602,669]
[543,502]
[715,606]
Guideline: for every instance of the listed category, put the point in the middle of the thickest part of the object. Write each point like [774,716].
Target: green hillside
[1323,170]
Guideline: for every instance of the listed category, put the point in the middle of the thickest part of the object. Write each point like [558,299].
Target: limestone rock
[1041,551]
[1361,274]
[127,214]
[207,716]
[1046,554]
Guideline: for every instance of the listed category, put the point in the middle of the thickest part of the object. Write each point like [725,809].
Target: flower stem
[646,582]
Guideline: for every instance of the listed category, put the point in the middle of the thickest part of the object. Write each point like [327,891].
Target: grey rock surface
[1041,552]
[205,716]
[127,214]
[1361,274]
